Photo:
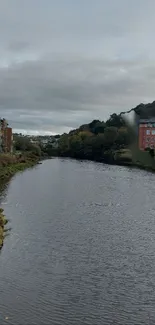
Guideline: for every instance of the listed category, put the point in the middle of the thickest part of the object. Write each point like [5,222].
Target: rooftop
[149,120]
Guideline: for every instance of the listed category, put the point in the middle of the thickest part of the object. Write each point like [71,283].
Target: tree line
[97,140]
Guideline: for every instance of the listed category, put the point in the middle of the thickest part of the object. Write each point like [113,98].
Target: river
[81,249]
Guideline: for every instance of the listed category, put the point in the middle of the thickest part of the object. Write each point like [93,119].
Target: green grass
[11,164]
[10,170]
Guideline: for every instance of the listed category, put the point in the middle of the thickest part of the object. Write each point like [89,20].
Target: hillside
[114,141]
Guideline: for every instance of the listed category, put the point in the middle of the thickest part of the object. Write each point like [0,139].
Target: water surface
[82,246]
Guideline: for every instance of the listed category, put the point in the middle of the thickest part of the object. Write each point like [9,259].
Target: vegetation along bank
[9,165]
[3,222]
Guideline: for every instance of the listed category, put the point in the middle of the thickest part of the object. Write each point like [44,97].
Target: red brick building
[8,138]
[146,134]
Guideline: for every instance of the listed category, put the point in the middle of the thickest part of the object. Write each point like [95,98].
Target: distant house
[147,133]
[44,142]
[34,141]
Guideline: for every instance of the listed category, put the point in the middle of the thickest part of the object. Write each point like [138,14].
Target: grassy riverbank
[11,164]
[132,157]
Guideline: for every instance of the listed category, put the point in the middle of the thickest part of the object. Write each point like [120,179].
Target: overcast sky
[66,62]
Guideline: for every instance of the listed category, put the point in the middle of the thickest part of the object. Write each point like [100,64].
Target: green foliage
[115,120]
[97,126]
[23,144]
[110,136]
[96,140]
[19,164]
[49,151]
[35,149]
[123,138]
[64,145]
[145,110]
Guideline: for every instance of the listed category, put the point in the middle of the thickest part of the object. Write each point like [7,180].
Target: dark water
[82,246]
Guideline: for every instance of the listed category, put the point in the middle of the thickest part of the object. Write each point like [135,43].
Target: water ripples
[81,248]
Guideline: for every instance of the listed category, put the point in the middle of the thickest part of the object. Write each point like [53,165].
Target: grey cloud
[63,63]
[72,91]
[18,46]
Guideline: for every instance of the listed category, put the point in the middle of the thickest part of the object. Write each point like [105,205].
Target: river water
[81,249]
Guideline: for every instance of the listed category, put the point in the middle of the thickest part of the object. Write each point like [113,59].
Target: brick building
[146,133]
[6,137]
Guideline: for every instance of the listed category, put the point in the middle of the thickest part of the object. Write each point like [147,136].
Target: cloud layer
[63,64]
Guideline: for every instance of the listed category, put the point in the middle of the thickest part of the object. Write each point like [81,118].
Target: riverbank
[133,158]
[8,171]
[3,222]
[127,157]
[11,164]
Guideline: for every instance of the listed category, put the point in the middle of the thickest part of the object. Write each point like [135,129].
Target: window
[147,132]
[153,132]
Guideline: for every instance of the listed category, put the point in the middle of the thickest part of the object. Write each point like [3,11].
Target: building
[3,126]
[6,137]
[8,140]
[44,142]
[34,141]
[49,141]
[146,133]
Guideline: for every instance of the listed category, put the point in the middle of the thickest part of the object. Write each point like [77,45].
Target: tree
[36,150]
[115,120]
[97,126]
[63,144]
[110,136]
[123,138]
[98,145]
[22,143]
[76,146]
[96,140]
